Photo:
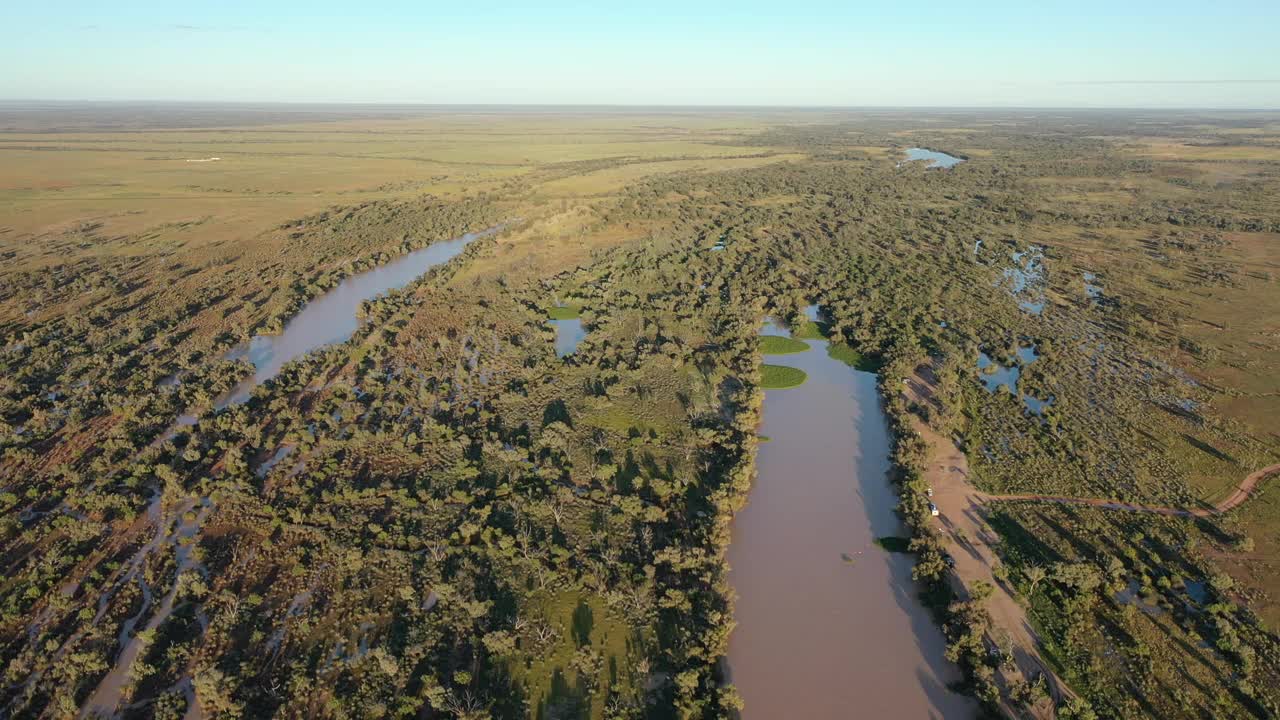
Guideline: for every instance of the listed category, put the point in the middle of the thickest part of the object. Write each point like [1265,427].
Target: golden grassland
[611,180]
[141,181]
[152,194]
[1184,151]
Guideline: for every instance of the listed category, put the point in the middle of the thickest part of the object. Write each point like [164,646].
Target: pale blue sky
[1124,53]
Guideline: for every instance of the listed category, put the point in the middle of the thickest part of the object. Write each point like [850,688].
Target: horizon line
[584,105]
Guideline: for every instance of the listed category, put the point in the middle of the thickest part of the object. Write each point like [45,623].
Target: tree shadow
[1208,449]
[565,700]
[556,411]
[583,623]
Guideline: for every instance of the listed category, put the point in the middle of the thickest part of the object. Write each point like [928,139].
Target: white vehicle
[933,510]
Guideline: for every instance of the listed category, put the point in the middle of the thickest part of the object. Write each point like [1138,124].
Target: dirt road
[1237,497]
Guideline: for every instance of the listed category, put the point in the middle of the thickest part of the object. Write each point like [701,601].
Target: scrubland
[465,525]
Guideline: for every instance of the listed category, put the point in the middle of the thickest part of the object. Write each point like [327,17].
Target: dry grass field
[140,181]
[148,192]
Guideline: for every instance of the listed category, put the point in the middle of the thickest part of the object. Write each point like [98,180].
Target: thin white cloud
[1242,81]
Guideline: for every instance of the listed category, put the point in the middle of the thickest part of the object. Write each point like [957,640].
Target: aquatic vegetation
[779,345]
[780,377]
[846,354]
[564,312]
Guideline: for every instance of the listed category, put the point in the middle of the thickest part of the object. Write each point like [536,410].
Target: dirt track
[1242,493]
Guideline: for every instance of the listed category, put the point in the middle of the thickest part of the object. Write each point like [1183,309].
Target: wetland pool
[568,334]
[935,158]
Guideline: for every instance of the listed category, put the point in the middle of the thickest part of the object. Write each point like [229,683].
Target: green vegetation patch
[894,544]
[621,421]
[564,312]
[569,650]
[778,345]
[846,354]
[810,330]
[781,377]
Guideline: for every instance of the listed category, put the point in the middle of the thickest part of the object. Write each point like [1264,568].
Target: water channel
[828,623]
[328,319]
[333,317]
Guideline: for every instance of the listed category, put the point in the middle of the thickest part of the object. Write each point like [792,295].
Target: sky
[1023,53]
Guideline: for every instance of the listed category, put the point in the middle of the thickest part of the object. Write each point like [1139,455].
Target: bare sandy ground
[962,517]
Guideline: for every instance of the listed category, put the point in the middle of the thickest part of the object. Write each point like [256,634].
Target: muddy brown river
[828,624]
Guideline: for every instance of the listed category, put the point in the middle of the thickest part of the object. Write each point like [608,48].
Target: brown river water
[828,624]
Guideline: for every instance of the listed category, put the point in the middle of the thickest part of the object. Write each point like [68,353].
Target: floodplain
[457,506]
